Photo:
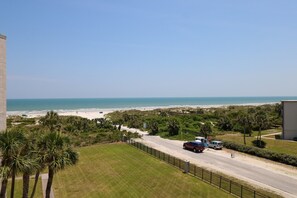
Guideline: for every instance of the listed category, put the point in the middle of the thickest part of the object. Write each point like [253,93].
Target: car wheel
[195,150]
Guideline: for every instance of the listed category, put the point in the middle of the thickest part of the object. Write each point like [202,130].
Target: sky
[150,48]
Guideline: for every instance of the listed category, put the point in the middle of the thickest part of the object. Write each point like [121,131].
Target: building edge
[3,107]
[2,36]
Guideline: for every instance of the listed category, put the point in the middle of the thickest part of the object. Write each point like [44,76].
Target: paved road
[274,180]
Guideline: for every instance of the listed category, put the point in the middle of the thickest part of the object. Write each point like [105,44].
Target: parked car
[203,140]
[216,144]
[194,146]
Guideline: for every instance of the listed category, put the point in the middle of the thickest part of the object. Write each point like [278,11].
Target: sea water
[120,103]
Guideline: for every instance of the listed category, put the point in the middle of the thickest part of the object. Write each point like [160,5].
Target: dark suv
[194,146]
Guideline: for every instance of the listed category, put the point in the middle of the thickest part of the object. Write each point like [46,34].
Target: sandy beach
[101,113]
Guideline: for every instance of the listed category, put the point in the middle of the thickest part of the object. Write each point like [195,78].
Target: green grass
[279,146]
[119,170]
[19,188]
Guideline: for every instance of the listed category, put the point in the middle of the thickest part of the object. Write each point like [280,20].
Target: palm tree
[4,174]
[51,120]
[41,166]
[58,154]
[30,164]
[40,156]
[225,123]
[206,129]
[27,168]
[11,143]
[261,121]
[246,121]
[173,127]
[154,128]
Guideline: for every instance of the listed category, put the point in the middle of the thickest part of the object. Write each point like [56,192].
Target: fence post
[230,186]
[195,170]
[241,191]
[210,177]
[254,194]
[187,166]
[173,160]
[220,181]
[202,173]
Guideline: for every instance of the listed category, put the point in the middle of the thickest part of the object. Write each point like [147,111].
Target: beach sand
[101,113]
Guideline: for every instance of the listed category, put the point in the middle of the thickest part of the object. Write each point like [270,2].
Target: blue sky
[153,48]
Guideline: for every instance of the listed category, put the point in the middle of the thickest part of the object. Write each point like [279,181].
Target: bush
[258,143]
[278,157]
[278,137]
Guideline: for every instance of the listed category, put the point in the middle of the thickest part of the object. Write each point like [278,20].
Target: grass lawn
[18,192]
[280,146]
[119,170]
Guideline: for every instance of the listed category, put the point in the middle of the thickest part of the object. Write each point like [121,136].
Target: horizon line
[156,97]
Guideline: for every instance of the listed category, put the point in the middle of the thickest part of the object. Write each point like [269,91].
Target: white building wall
[2,82]
[289,119]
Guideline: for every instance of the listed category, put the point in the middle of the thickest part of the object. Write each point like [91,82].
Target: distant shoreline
[92,113]
[89,104]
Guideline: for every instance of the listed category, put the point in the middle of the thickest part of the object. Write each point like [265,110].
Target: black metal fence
[201,173]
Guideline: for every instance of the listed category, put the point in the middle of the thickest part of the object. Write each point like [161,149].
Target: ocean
[123,103]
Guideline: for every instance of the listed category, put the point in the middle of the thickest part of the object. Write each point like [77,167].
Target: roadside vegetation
[241,127]
[80,131]
[32,145]
[119,170]
[275,145]
[186,123]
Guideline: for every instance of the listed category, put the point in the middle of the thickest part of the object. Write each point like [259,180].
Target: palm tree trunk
[12,183]
[26,180]
[35,184]
[3,188]
[49,182]
[244,137]
[260,143]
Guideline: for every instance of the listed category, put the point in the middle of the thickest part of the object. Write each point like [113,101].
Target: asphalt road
[274,180]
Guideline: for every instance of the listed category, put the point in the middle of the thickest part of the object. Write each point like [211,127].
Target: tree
[58,154]
[11,143]
[278,109]
[246,122]
[29,153]
[206,129]
[224,123]
[40,157]
[118,121]
[262,122]
[173,127]
[51,120]
[4,174]
[154,128]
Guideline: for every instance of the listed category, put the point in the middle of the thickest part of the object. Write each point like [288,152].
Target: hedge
[278,157]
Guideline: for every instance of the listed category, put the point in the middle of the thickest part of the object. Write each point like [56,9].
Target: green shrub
[278,157]
[278,137]
[259,143]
